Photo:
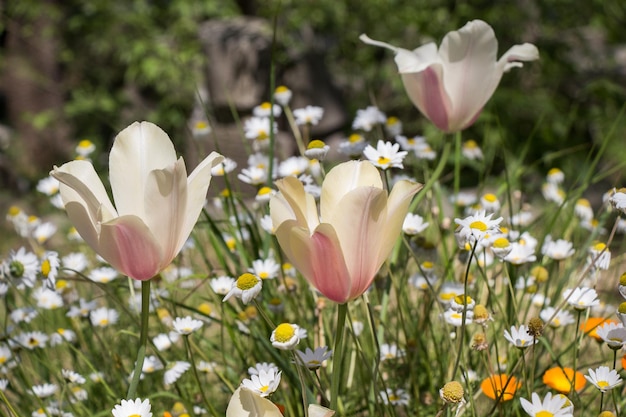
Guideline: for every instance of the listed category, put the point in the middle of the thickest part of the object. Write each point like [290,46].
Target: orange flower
[560,379]
[494,386]
[624,361]
[590,327]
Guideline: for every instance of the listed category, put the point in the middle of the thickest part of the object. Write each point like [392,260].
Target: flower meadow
[386,274]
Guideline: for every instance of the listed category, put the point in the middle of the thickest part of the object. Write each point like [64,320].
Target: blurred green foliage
[141,60]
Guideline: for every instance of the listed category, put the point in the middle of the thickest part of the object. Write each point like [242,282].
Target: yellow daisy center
[316,144]
[603,384]
[247,281]
[501,243]
[201,124]
[14,211]
[471,144]
[85,143]
[452,392]
[3,359]
[463,299]
[284,332]
[490,198]
[383,160]
[554,171]
[45,267]
[544,413]
[266,105]
[264,191]
[427,265]
[583,202]
[355,138]
[478,225]
[264,388]
[448,296]
[392,120]
[205,309]
[599,246]
[281,89]
[104,322]
[264,275]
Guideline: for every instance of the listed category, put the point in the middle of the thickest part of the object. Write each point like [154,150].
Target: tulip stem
[342,310]
[143,337]
[457,167]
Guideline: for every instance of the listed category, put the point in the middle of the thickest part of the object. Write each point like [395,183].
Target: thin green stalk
[457,167]
[143,337]
[342,310]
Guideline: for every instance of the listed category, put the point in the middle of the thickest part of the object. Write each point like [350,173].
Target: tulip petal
[245,403]
[319,411]
[137,150]
[129,246]
[342,179]
[397,206]
[302,204]
[80,183]
[318,257]
[511,58]
[428,94]
[166,196]
[360,225]
[197,188]
[80,218]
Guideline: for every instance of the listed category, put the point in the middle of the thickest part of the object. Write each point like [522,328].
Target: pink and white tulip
[156,205]
[452,84]
[341,251]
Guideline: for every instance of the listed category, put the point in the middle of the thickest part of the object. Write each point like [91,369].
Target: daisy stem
[196,377]
[7,403]
[342,310]
[464,314]
[143,337]
[299,365]
[572,382]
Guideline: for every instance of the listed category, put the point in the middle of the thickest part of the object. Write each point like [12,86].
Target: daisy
[103,317]
[263,384]
[83,309]
[285,336]
[581,298]
[562,317]
[221,285]
[309,115]
[50,268]
[282,95]
[390,351]
[464,199]
[557,250]
[174,371]
[23,315]
[618,200]
[247,287]
[4,383]
[132,408]
[614,334]
[385,155]
[490,202]
[452,393]
[293,166]
[5,355]
[103,274]
[263,366]
[471,150]
[413,224]
[603,378]
[85,148]
[395,397]
[253,175]
[411,144]
[583,209]
[367,118]
[224,167]
[73,377]
[267,224]
[151,364]
[186,325]
[264,195]
[313,359]
[44,390]
[393,126]
[600,256]
[522,218]
[265,109]
[32,340]
[353,146]
[475,227]
[316,150]
[200,128]
[425,152]
[43,232]
[62,335]
[265,268]
[47,299]
[206,367]
[554,406]
[555,176]
[74,262]
[455,318]
[519,337]
[552,192]
[520,254]
[48,186]
[21,267]
[258,128]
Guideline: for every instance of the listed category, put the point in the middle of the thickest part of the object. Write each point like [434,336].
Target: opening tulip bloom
[156,205]
[340,252]
[450,85]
